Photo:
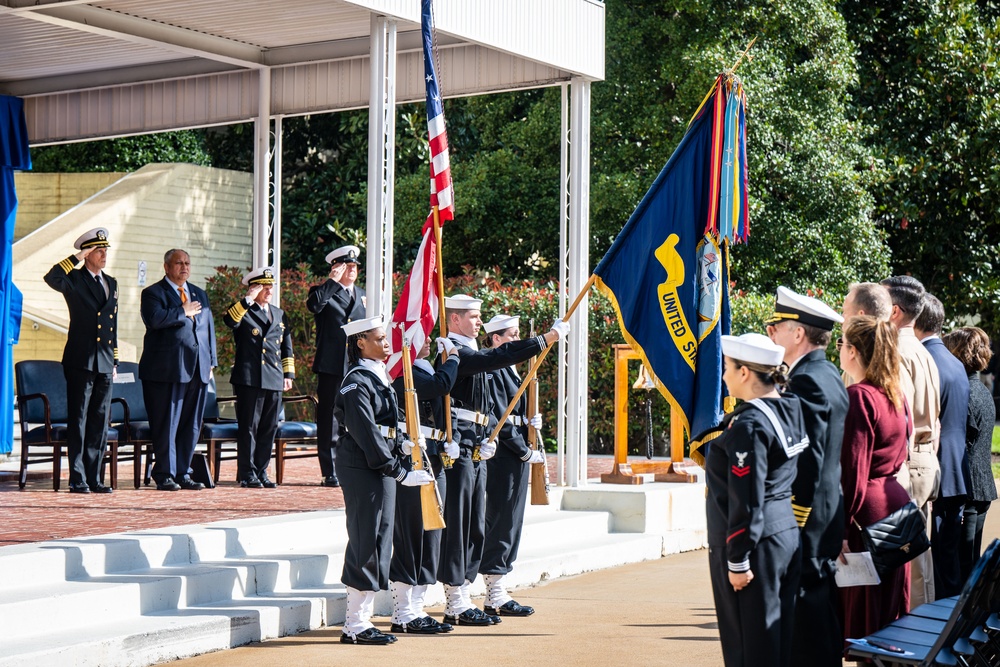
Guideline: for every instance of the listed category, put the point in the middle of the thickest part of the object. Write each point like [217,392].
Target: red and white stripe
[442,191]
[416,312]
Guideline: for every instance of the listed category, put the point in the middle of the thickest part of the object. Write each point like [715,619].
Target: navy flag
[667,273]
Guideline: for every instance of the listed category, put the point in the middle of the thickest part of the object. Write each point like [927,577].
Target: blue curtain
[13,155]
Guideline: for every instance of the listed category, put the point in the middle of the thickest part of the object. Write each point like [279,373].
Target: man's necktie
[100,283]
[184,298]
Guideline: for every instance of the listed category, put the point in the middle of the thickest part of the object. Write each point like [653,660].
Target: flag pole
[538,361]
[443,325]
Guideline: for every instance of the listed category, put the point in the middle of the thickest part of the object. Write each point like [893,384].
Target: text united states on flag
[418,304]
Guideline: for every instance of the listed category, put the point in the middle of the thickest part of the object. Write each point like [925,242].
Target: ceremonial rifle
[445,459]
[539,471]
[431,507]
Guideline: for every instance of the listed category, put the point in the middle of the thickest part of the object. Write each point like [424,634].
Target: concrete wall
[42,197]
[206,211]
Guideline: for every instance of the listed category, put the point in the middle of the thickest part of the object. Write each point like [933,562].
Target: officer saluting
[416,552]
[264,367]
[333,304]
[369,467]
[90,356]
[803,325]
[507,478]
[464,507]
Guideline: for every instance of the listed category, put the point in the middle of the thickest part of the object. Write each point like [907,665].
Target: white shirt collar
[95,275]
[177,287]
[376,367]
[464,340]
[424,365]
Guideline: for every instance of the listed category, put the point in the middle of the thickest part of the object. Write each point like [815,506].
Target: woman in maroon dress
[876,432]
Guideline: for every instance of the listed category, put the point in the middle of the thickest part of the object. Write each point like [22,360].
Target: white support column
[381,165]
[261,168]
[579,273]
[562,349]
[276,211]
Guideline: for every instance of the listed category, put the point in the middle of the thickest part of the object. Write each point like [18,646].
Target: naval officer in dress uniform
[369,465]
[465,508]
[264,367]
[803,326]
[90,356]
[753,537]
[507,476]
[333,304]
[416,552]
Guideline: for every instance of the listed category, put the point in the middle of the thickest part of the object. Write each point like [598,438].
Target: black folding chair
[129,417]
[300,435]
[216,431]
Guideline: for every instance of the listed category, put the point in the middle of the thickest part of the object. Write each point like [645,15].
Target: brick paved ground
[38,513]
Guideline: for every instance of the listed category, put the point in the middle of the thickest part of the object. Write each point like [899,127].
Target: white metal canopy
[99,69]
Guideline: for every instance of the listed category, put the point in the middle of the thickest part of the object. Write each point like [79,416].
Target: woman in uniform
[369,467]
[753,537]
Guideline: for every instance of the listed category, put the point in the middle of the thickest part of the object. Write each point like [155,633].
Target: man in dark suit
[178,355]
[947,510]
[333,304]
[264,367]
[90,356]
[803,325]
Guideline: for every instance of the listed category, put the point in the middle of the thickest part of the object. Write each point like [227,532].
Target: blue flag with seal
[667,273]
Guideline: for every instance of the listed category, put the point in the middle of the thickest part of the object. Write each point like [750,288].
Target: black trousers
[973,520]
[946,542]
[755,624]
[88,395]
[175,412]
[506,497]
[257,416]
[465,521]
[817,639]
[416,552]
[327,426]
[369,503]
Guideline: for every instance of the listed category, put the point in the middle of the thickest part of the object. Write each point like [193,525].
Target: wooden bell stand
[631,473]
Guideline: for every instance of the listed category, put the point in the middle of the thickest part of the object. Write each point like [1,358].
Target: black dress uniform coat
[332,307]
[819,505]
[89,360]
[465,511]
[415,552]
[507,477]
[369,466]
[751,526]
[264,358]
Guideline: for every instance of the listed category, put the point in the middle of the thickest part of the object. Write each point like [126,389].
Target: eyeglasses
[840,344]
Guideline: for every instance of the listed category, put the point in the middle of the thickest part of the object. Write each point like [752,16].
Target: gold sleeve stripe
[66,265]
[237,311]
[288,365]
[116,354]
[801,514]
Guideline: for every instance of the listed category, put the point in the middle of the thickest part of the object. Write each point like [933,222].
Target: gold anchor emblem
[255,332]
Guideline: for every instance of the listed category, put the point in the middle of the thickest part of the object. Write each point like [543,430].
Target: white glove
[409,444]
[445,345]
[487,449]
[536,457]
[452,450]
[536,422]
[561,328]
[417,478]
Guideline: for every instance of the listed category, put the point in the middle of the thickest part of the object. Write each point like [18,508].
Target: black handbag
[897,539]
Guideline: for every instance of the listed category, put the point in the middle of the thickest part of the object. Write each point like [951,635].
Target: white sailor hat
[367,324]
[500,323]
[348,254]
[462,302]
[753,348]
[261,276]
[95,238]
[803,309]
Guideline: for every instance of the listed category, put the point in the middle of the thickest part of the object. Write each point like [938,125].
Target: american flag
[418,305]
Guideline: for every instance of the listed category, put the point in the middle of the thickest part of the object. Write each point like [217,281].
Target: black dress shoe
[330,481]
[168,485]
[79,488]
[372,636]
[189,484]
[418,626]
[474,616]
[440,627]
[267,483]
[100,488]
[510,608]
[252,483]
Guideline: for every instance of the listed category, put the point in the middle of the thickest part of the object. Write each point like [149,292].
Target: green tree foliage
[123,154]
[930,82]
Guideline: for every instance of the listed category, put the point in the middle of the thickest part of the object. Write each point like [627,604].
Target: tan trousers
[921,477]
